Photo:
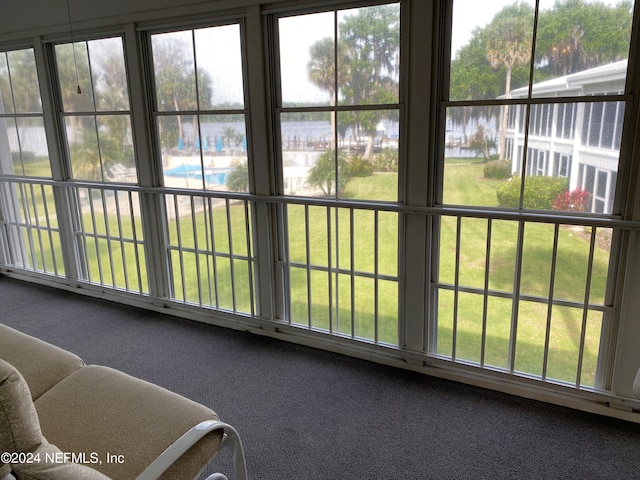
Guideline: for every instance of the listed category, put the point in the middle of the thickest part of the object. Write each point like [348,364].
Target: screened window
[339,115]
[97,131]
[529,297]
[96,116]
[495,61]
[200,116]
[201,132]
[30,237]
[23,142]
[338,120]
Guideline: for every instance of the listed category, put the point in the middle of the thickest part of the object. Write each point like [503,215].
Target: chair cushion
[102,410]
[20,435]
[41,364]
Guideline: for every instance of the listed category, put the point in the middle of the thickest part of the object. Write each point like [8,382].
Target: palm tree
[321,72]
[509,41]
[229,134]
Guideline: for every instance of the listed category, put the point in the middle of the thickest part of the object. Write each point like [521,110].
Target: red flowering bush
[571,201]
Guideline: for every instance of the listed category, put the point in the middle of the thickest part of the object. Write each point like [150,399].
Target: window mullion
[261,166]
[415,312]
[152,205]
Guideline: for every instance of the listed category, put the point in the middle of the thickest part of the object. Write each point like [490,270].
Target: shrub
[386,161]
[482,143]
[539,192]
[357,167]
[238,179]
[571,201]
[500,170]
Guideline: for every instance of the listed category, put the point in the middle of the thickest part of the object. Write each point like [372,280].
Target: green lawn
[323,300]
[465,185]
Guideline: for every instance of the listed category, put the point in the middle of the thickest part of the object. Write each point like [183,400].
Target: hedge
[539,192]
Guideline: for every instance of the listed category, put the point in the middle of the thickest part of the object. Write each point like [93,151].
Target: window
[31,233]
[200,115]
[201,137]
[338,120]
[96,120]
[524,296]
[319,170]
[95,101]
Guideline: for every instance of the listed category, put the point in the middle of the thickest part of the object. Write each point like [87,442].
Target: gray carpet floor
[309,414]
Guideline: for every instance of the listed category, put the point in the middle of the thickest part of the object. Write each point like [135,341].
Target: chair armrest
[231,440]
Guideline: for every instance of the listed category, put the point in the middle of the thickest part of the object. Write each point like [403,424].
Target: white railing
[536,303]
[30,227]
[337,282]
[210,252]
[525,294]
[109,235]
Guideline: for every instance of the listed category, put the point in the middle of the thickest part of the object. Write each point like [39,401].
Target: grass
[321,297]
[465,185]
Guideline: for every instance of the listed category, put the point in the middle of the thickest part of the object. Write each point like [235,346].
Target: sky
[298,33]
[468,14]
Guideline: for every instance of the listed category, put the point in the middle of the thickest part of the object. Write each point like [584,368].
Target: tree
[101,74]
[230,134]
[371,39]
[473,78]
[18,76]
[237,180]
[367,66]
[321,71]
[509,37]
[175,78]
[572,35]
[481,143]
[323,172]
[576,35]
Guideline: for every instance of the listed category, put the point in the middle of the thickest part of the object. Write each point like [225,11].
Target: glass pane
[368,155]
[224,152]
[10,160]
[537,259]
[529,348]
[369,55]
[563,170]
[307,59]
[473,252]
[109,74]
[498,332]
[219,61]
[33,146]
[6,96]
[447,260]
[564,345]
[469,327]
[174,71]
[491,48]
[308,156]
[474,174]
[181,158]
[116,147]
[388,243]
[504,240]
[445,304]
[83,147]
[582,47]
[72,61]
[24,81]
[388,312]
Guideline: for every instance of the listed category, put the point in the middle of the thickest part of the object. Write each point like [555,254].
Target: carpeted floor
[305,414]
